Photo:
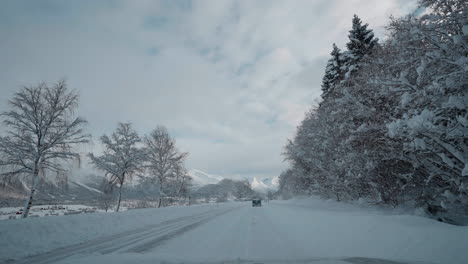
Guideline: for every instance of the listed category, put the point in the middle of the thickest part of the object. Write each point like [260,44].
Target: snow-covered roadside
[48,210]
[361,229]
[408,208]
[20,238]
[316,203]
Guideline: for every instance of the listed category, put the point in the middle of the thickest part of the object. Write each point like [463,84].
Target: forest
[392,125]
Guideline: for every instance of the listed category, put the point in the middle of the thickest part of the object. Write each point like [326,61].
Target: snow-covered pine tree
[361,42]
[361,39]
[342,112]
[321,154]
[121,158]
[333,72]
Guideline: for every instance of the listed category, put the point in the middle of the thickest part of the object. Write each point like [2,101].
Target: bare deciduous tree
[121,158]
[106,198]
[164,161]
[41,131]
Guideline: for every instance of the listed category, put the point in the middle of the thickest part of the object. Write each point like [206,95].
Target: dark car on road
[256,202]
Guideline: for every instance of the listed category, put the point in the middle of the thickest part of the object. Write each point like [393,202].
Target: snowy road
[138,240]
[309,231]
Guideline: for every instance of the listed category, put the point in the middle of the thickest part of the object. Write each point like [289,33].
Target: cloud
[230,79]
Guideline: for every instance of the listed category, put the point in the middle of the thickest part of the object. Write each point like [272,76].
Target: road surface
[277,232]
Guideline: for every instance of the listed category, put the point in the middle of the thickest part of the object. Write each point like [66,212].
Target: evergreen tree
[361,42]
[333,71]
[396,129]
[361,39]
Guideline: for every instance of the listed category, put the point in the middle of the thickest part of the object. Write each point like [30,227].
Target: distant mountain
[201,178]
[272,182]
[87,186]
[265,185]
[50,192]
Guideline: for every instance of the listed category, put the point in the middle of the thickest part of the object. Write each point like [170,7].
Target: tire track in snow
[144,237]
[180,229]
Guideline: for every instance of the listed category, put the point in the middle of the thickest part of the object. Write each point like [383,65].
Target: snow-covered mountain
[83,185]
[51,192]
[201,178]
[264,185]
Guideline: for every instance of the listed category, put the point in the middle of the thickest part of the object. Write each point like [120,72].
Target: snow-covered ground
[294,231]
[47,210]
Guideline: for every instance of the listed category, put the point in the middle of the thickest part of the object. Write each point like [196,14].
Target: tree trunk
[160,194]
[29,201]
[337,196]
[160,202]
[120,197]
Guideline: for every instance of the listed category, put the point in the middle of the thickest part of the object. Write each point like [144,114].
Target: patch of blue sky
[153,51]
[49,11]
[213,54]
[181,5]
[155,22]
[205,51]
[186,134]
[245,67]
[272,120]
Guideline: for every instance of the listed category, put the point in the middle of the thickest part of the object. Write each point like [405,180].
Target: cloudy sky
[230,79]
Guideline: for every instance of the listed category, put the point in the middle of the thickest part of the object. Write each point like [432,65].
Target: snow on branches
[396,129]
[121,158]
[41,131]
[165,163]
